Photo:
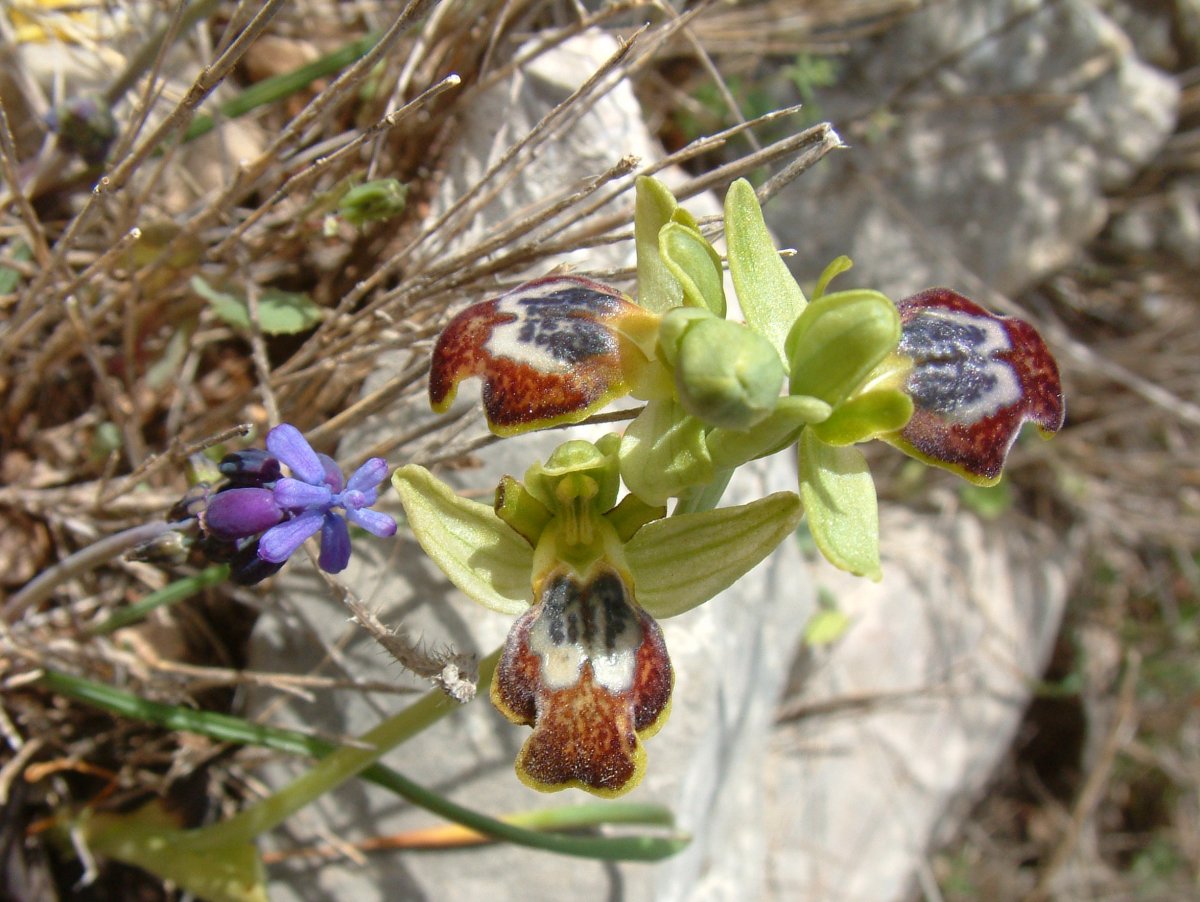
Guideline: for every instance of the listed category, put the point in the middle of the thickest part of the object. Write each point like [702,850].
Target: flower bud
[252,467]
[726,374]
[239,512]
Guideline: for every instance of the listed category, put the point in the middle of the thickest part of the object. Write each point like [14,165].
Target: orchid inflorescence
[585,664]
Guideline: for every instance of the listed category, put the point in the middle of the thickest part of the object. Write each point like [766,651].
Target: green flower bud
[373,201]
[726,374]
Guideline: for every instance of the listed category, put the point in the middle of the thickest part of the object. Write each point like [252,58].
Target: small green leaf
[10,278]
[838,341]
[866,416]
[683,561]
[287,312]
[663,452]
[279,312]
[825,627]
[657,289]
[373,201]
[695,264]
[839,501]
[769,296]
[476,550]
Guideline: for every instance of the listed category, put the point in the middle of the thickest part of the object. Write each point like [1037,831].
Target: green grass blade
[169,594]
[278,87]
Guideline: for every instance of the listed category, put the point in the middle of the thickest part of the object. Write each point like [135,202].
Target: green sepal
[838,340]
[726,374]
[681,562]
[839,500]
[632,514]
[770,298]
[866,416]
[517,507]
[836,267]
[655,206]
[695,264]
[734,447]
[663,452]
[479,553]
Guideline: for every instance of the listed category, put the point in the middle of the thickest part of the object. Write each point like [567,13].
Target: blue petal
[278,543]
[375,523]
[333,474]
[369,475]
[335,544]
[287,444]
[292,494]
[240,512]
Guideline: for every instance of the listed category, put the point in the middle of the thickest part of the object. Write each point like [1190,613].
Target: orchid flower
[935,375]
[585,663]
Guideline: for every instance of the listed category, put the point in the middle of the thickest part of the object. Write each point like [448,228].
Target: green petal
[839,500]
[476,550]
[681,562]
[838,341]
[695,265]
[769,296]
[866,416]
[657,289]
[663,452]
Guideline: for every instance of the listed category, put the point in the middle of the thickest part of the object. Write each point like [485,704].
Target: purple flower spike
[311,494]
[975,379]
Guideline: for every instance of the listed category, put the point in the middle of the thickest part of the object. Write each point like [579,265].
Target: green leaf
[10,278]
[663,452]
[696,266]
[476,550]
[769,296]
[657,289]
[373,201]
[144,837]
[839,500]
[279,312]
[866,416]
[838,341]
[825,627]
[681,562]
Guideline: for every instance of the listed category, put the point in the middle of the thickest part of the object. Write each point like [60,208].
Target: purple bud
[239,512]
[247,568]
[252,467]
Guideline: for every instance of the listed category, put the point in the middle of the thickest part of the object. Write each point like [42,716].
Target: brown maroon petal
[975,379]
[589,670]
[549,352]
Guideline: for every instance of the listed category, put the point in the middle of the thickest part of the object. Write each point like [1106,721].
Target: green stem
[520,829]
[334,769]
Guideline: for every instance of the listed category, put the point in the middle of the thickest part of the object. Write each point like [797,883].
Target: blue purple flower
[283,511]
